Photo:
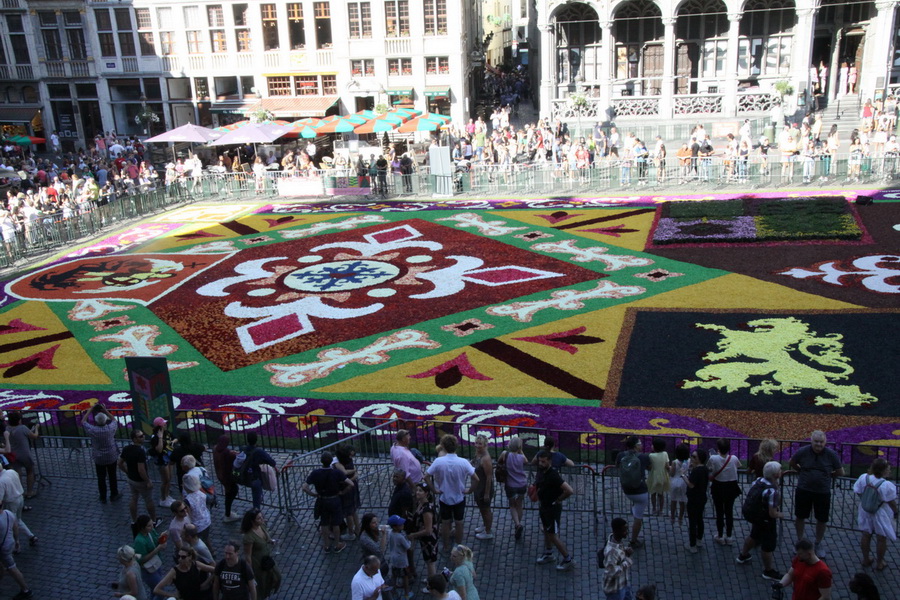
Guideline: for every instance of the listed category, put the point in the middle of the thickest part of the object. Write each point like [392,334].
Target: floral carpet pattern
[560,313]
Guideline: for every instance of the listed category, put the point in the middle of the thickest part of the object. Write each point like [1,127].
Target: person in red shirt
[809,574]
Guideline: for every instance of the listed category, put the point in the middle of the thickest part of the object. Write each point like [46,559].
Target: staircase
[844,112]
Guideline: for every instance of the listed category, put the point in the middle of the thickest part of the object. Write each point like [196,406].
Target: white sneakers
[482,535]
[167,501]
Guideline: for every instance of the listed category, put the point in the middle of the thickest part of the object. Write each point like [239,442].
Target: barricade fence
[51,232]
[62,452]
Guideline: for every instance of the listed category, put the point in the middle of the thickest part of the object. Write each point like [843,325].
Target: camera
[446,573]
[777,591]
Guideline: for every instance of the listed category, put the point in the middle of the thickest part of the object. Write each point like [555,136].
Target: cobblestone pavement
[75,558]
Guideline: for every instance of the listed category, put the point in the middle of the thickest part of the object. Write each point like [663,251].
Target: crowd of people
[425,521]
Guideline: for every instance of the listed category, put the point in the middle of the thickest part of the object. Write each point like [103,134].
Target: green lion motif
[768,347]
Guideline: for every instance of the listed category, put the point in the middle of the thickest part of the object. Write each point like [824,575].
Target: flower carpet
[571,314]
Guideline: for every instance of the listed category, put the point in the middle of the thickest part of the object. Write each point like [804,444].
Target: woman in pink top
[514,460]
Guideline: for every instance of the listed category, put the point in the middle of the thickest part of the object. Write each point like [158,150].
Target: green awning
[434,91]
[399,91]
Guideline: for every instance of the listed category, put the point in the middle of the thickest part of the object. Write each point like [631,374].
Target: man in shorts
[328,483]
[448,475]
[764,531]
[816,467]
[552,491]
[637,493]
[133,462]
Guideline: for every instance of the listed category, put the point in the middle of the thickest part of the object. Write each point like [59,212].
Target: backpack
[631,472]
[755,507]
[243,473]
[208,487]
[871,500]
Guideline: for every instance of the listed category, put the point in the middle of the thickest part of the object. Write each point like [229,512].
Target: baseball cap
[159,422]
[396,520]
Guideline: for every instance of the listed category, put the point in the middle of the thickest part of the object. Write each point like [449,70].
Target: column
[801,56]
[729,98]
[879,40]
[548,72]
[606,65]
[666,101]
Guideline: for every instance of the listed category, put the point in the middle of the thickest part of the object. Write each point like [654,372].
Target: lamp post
[578,104]
[143,100]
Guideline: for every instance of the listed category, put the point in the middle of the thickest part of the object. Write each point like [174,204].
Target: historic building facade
[676,58]
[86,66]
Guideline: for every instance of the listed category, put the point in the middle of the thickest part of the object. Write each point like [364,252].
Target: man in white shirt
[368,582]
[448,475]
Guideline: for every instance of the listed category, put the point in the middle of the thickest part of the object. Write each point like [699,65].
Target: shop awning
[230,109]
[17,115]
[399,91]
[304,106]
[435,91]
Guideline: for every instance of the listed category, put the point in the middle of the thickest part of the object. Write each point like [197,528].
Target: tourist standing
[100,426]
[234,578]
[816,466]
[328,483]
[368,583]
[724,490]
[809,574]
[513,461]
[448,475]
[697,481]
[633,466]
[880,521]
[761,510]
[133,462]
[552,491]
[616,562]
[484,489]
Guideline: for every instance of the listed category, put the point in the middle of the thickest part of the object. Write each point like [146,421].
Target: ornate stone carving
[590,110]
[628,107]
[689,105]
[755,102]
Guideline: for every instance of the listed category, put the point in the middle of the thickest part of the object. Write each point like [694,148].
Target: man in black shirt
[133,462]
[552,491]
[381,165]
[185,446]
[328,483]
[234,577]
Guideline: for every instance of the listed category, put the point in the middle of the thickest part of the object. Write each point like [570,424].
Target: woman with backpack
[877,512]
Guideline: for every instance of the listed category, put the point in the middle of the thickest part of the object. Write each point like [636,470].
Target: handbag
[532,493]
[152,565]
[501,474]
[727,460]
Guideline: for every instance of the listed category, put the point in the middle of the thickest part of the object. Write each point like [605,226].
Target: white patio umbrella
[187,133]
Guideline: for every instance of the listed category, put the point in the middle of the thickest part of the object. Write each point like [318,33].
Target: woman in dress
[484,489]
[677,485]
[463,578]
[192,579]
[258,552]
[725,489]
[516,482]
[658,479]
[130,582]
[148,548]
[880,523]
[424,527]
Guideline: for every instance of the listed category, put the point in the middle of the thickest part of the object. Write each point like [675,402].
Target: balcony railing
[80,68]
[398,46]
[55,68]
[325,57]
[12,4]
[4,72]
[24,72]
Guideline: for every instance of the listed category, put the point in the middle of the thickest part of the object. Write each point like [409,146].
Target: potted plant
[780,90]
[259,115]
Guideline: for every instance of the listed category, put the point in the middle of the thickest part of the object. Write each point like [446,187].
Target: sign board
[151,390]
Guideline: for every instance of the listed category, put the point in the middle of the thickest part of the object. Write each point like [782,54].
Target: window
[435,17]
[142,16]
[399,66]
[148,48]
[270,26]
[766,37]
[77,47]
[215,15]
[201,87]
[52,44]
[437,65]
[72,18]
[166,18]
[295,26]
[363,66]
[217,41]
[126,44]
[18,42]
[240,15]
[192,17]
[107,44]
[179,88]
[167,43]
[243,40]
[47,18]
[307,85]
[193,42]
[360,19]
[248,85]
[279,86]
[123,19]
[329,85]
[322,12]
[396,18]
[104,23]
